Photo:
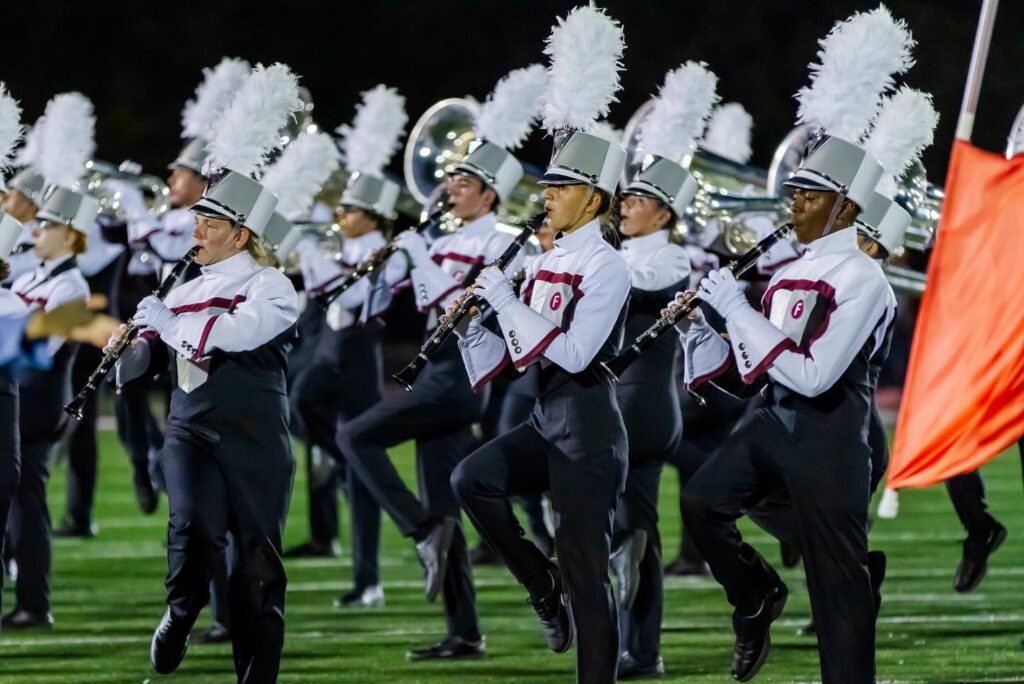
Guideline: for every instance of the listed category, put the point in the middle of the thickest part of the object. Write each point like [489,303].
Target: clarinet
[370,265]
[74,407]
[407,376]
[620,363]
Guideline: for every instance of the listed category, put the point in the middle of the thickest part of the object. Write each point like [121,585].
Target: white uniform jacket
[156,242]
[569,305]
[320,273]
[819,312]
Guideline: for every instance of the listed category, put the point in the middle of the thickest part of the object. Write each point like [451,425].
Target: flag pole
[982,40]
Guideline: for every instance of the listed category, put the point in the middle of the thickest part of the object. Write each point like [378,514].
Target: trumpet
[381,257]
[407,376]
[75,406]
[620,363]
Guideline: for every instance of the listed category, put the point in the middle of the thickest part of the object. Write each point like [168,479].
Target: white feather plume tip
[585,50]
[904,128]
[212,96]
[249,129]
[728,133]
[508,115]
[372,139]
[28,153]
[858,59]
[299,173]
[680,112]
[10,126]
[66,139]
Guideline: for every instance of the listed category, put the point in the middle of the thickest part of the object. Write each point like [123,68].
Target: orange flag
[963,401]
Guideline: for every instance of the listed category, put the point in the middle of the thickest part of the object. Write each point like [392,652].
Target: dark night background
[139,62]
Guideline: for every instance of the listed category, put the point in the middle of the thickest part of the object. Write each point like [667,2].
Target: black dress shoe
[313,549]
[631,668]
[753,638]
[625,561]
[214,634]
[685,567]
[69,528]
[433,553]
[553,612]
[361,597]
[974,564]
[452,648]
[482,554]
[145,495]
[23,619]
[170,641]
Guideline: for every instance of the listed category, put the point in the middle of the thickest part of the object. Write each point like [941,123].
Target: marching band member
[441,407]
[826,318]
[227,455]
[652,204]
[569,319]
[65,218]
[21,201]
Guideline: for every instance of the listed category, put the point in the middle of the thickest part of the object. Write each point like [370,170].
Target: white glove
[494,287]
[413,244]
[683,324]
[721,291]
[153,313]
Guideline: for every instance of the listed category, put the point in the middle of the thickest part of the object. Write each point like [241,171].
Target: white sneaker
[370,597]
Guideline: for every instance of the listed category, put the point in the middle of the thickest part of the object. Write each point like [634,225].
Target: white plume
[680,112]
[508,115]
[249,129]
[28,154]
[904,127]
[213,96]
[372,139]
[728,133]
[299,173]
[585,48]
[10,126]
[66,139]
[605,130]
[858,59]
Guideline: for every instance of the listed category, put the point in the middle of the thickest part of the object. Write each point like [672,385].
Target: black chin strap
[837,207]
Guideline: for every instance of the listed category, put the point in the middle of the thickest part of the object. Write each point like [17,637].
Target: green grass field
[108,596]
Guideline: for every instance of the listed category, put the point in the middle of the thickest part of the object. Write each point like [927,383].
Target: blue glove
[495,288]
[413,244]
[721,291]
[153,313]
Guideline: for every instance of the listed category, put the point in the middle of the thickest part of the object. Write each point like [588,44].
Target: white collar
[50,266]
[370,236]
[843,240]
[233,265]
[484,224]
[579,238]
[646,243]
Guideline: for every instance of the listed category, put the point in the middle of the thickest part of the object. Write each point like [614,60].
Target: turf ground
[108,596]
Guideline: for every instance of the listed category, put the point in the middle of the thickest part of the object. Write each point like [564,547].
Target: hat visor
[561,178]
[212,210]
[49,217]
[176,164]
[808,182]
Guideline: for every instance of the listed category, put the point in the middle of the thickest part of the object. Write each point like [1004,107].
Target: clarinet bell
[407,376]
[74,408]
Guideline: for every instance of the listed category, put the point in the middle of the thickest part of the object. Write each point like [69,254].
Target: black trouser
[583,465]
[239,481]
[41,423]
[706,427]
[515,408]
[10,455]
[323,396]
[653,423]
[826,474]
[775,513]
[137,428]
[640,626]
[437,413]
[83,457]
